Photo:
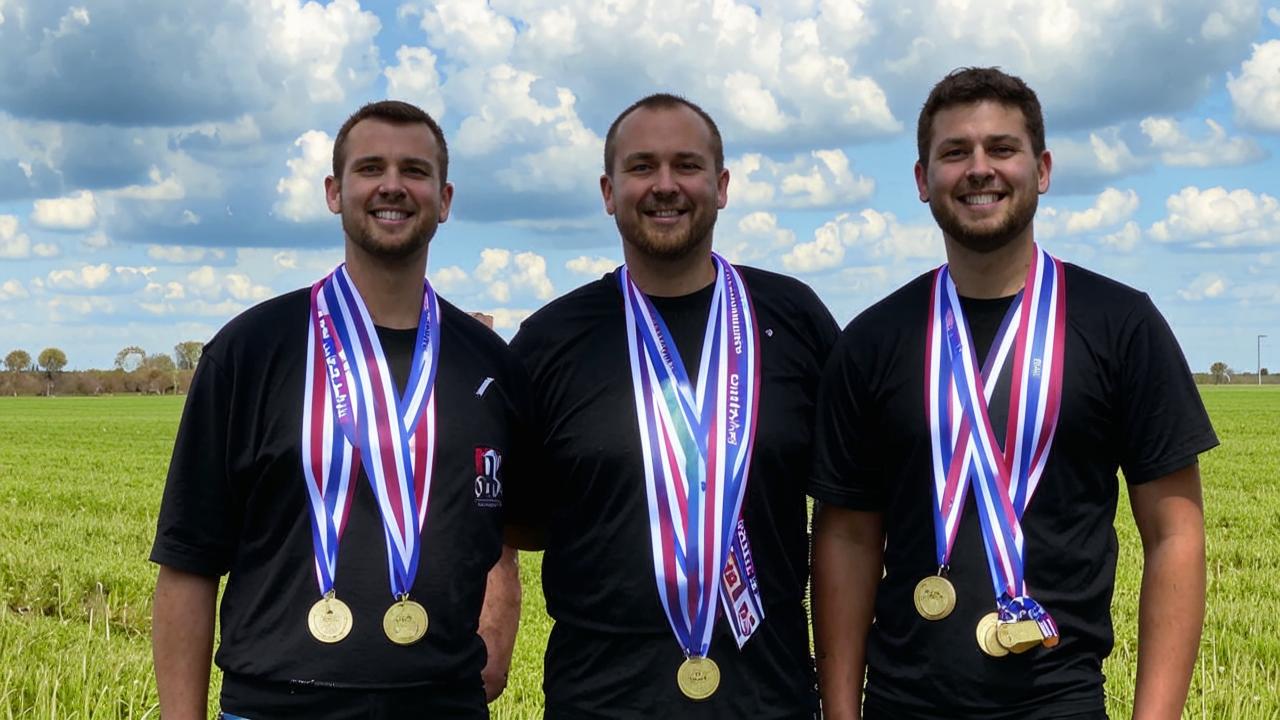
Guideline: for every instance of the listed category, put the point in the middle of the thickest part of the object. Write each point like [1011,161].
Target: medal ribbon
[696,444]
[949,430]
[1004,482]
[396,438]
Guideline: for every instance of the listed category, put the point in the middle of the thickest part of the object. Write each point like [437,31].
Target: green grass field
[80,482]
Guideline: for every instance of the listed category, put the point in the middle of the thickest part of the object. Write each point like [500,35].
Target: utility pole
[1260,359]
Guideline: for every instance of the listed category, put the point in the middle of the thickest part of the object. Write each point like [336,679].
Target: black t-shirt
[1128,402]
[612,652]
[235,503]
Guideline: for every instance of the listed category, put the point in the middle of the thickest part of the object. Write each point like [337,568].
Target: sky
[162,163]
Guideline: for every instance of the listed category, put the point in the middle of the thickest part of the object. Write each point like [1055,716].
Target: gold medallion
[698,678]
[405,622]
[329,619]
[987,641]
[935,597]
[1019,637]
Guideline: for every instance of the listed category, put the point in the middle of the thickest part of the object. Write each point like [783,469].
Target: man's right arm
[848,557]
[182,642]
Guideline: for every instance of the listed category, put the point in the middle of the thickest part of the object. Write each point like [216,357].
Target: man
[345,456]
[672,392]
[969,434]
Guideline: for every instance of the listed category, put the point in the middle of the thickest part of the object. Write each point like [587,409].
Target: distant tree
[187,354]
[1263,372]
[159,372]
[130,358]
[51,360]
[17,361]
[1221,373]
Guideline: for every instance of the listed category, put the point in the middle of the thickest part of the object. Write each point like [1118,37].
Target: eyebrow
[649,155]
[380,159]
[1005,138]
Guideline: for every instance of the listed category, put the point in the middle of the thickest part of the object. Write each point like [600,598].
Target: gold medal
[329,619]
[987,641]
[405,622]
[698,678]
[1019,637]
[935,597]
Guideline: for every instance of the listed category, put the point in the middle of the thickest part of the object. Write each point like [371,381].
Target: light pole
[1260,359]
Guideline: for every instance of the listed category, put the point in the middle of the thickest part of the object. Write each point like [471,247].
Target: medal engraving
[329,619]
[935,597]
[698,678]
[405,622]
[987,641]
[1019,637]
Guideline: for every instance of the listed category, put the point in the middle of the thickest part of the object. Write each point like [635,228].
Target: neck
[391,289]
[663,277]
[995,274]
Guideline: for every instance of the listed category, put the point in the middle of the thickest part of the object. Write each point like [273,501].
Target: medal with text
[391,434]
[964,443]
[696,443]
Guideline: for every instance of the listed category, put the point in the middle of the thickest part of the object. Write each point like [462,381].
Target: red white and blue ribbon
[1003,481]
[696,444]
[393,434]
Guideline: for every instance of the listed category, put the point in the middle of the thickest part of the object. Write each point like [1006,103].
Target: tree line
[135,371]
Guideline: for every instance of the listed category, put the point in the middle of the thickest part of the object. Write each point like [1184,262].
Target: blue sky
[161,163]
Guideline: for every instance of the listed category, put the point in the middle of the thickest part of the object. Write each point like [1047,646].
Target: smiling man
[675,397]
[970,429]
[348,457]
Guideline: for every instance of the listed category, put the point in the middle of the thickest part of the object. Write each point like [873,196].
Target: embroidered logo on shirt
[488,484]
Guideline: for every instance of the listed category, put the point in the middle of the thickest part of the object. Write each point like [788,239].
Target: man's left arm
[1169,512]
[499,620]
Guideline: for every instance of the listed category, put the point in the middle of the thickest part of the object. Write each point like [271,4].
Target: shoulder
[897,309]
[781,290]
[267,323]
[575,311]
[1096,303]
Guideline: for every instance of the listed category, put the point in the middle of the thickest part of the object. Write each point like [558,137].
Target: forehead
[974,121]
[375,137]
[666,130]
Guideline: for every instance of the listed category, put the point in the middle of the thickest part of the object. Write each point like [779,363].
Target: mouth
[391,216]
[982,199]
[665,216]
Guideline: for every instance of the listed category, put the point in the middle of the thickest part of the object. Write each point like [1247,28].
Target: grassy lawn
[80,483]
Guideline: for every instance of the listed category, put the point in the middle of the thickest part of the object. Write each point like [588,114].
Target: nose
[979,170]
[392,183]
[664,181]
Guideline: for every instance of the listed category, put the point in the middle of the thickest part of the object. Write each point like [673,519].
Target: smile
[391,215]
[981,199]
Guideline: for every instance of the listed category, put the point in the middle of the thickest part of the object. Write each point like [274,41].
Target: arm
[182,641]
[1169,513]
[848,561]
[499,619]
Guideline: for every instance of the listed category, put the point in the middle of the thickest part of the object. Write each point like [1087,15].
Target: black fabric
[1128,402]
[235,503]
[612,652]
[291,701]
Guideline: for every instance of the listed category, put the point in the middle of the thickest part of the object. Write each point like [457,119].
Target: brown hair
[392,111]
[662,101]
[971,85]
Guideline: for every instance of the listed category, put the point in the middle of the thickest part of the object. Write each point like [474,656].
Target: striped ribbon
[696,444]
[393,434]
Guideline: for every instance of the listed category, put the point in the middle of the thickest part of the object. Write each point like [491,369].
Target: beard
[666,244]
[976,238]
[360,228]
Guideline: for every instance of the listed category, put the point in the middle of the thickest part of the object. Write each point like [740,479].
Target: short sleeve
[844,471]
[522,501]
[1163,419]
[198,527]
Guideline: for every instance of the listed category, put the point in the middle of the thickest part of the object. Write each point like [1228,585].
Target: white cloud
[13,290]
[751,104]
[470,28]
[820,178]
[161,188]
[1273,15]
[415,79]
[871,235]
[14,245]
[182,255]
[96,241]
[286,259]
[1218,218]
[1216,150]
[302,190]
[1255,92]
[46,250]
[504,272]
[1104,155]
[591,266]
[1205,286]
[325,47]
[1124,239]
[448,279]
[1110,208]
[74,212]
[101,278]
[756,236]
[508,318]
